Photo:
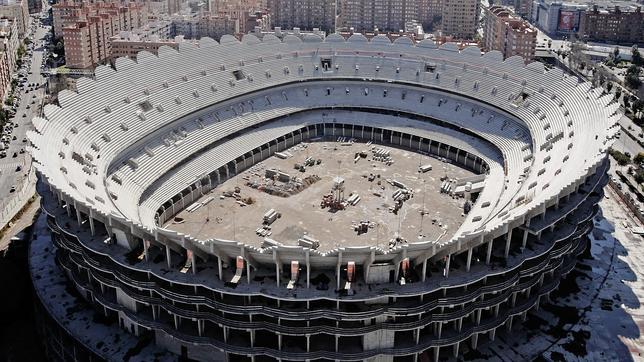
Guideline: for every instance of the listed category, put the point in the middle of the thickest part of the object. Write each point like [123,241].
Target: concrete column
[177,321]
[440,329]
[308,270]
[460,324]
[469,259]
[456,349]
[514,299]
[489,252]
[424,269]
[200,327]
[437,351]
[168,256]
[496,311]
[154,313]
[145,248]
[91,222]
[79,220]
[508,239]
[475,340]
[449,258]
[509,323]
[277,272]
[308,343]
[337,271]
[536,305]
[247,272]
[492,333]
[525,239]
[417,335]
[193,261]
[226,335]
[252,338]
[220,268]
[336,343]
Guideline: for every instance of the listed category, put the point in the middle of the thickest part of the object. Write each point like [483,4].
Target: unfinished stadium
[319,200]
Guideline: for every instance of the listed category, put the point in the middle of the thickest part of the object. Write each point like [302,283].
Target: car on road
[22,150]
[13,188]
[24,115]
[18,168]
[15,154]
[24,140]
[3,154]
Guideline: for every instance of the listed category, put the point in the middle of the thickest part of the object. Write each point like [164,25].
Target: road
[29,106]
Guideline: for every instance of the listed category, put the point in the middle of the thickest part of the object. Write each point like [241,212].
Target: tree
[609,86]
[639,158]
[621,158]
[636,56]
[632,78]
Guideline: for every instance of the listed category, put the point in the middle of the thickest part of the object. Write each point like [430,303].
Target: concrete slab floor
[301,213]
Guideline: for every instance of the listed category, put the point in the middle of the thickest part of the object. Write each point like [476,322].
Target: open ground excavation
[225,217]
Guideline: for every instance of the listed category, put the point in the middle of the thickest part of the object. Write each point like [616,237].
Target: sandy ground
[302,214]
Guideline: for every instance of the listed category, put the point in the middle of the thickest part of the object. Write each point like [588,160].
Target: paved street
[28,108]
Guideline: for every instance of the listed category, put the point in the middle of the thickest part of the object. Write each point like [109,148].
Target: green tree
[636,56]
[639,158]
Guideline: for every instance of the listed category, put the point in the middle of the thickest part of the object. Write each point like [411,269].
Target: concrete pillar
[146,247]
[492,334]
[337,271]
[336,343]
[226,335]
[437,351]
[460,324]
[489,252]
[424,269]
[252,338]
[478,316]
[193,261]
[177,321]
[536,305]
[220,268]
[469,259]
[496,310]
[200,327]
[91,222]
[308,270]
[440,329]
[449,258]
[308,343]
[514,299]
[509,323]
[456,349]
[475,340]
[168,256]
[508,239]
[79,220]
[525,239]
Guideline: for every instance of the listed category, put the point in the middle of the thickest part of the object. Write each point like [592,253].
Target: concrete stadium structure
[138,144]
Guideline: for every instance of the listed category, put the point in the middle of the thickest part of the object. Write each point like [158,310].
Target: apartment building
[384,15]
[430,13]
[616,25]
[243,10]
[18,10]
[9,43]
[509,34]
[460,18]
[204,25]
[87,37]
[303,14]
[128,44]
